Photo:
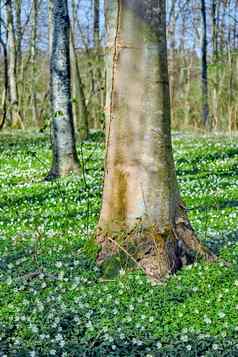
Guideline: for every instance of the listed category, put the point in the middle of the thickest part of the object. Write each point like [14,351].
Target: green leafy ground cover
[53,300]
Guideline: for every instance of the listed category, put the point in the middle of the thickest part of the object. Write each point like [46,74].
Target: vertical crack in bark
[114,63]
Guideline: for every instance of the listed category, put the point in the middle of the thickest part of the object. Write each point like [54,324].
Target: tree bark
[17,14]
[96,24]
[73,19]
[142,213]
[65,158]
[33,61]
[18,7]
[16,120]
[97,70]
[81,109]
[214,13]
[5,92]
[5,78]
[205,106]
[50,26]
[172,35]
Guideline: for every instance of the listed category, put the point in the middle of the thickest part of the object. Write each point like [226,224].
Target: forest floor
[53,300]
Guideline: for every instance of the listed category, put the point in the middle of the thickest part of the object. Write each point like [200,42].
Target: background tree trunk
[141,210]
[81,110]
[50,25]
[5,92]
[81,113]
[172,34]
[5,78]
[18,9]
[205,107]
[64,149]
[73,19]
[96,24]
[33,61]
[16,120]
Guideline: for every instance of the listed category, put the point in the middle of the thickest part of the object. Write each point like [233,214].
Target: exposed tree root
[186,236]
[157,254]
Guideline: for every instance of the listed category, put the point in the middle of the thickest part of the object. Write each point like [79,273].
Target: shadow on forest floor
[221,204]
[221,240]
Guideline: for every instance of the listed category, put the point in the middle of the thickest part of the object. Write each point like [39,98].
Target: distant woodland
[202,38]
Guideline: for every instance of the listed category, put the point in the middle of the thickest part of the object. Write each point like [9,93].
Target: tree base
[17,122]
[157,254]
[62,172]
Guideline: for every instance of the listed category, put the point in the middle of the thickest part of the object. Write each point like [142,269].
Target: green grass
[52,298]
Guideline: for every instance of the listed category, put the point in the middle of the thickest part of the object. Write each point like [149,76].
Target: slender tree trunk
[205,106]
[215,55]
[214,30]
[16,120]
[21,83]
[96,24]
[81,109]
[81,113]
[5,92]
[73,22]
[231,71]
[222,26]
[33,61]
[172,34]
[142,213]
[63,135]
[98,67]
[187,119]
[50,25]
[18,7]
[50,49]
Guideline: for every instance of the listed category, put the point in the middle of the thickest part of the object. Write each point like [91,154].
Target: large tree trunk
[142,213]
[63,135]
[16,120]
